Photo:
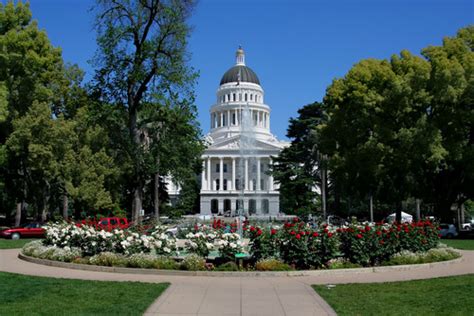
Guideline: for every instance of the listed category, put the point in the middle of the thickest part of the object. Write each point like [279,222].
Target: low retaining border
[293,273]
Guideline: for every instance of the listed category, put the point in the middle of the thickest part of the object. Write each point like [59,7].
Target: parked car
[447,231]
[31,230]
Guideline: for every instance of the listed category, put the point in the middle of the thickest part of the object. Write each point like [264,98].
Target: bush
[109,259]
[165,263]
[200,243]
[229,245]
[264,243]
[342,263]
[272,264]
[432,255]
[193,262]
[141,260]
[228,266]
[30,247]
[65,254]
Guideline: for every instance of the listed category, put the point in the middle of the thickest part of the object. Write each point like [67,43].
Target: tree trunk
[398,213]
[65,207]
[156,196]
[18,214]
[371,207]
[137,203]
[418,213]
[323,192]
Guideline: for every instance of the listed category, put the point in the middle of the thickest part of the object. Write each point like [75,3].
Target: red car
[31,230]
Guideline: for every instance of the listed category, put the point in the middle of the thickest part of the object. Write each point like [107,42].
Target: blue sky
[296,47]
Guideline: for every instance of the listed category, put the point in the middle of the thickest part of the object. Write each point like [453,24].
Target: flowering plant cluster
[91,241]
[200,243]
[229,244]
[296,244]
[374,244]
[303,247]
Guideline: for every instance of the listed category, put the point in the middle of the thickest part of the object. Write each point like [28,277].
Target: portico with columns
[235,170]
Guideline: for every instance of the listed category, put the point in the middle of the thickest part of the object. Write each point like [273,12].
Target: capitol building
[239,148]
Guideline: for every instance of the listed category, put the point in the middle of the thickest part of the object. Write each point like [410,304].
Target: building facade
[239,148]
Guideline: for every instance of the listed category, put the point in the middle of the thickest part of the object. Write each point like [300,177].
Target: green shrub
[432,255]
[165,263]
[109,259]
[84,260]
[193,262]
[342,263]
[228,266]
[141,260]
[30,247]
[65,254]
[272,265]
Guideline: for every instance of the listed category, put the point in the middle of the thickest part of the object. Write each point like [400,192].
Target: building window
[252,206]
[233,118]
[254,185]
[251,97]
[224,120]
[265,206]
[224,185]
[218,169]
[239,205]
[262,184]
[237,184]
[233,97]
[217,184]
[225,167]
[246,97]
[262,167]
[214,206]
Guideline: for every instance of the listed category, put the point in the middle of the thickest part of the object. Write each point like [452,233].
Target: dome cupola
[240,72]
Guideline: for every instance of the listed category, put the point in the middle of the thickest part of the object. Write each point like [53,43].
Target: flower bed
[294,246]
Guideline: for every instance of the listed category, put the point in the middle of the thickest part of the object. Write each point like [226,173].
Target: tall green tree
[31,70]
[297,166]
[141,60]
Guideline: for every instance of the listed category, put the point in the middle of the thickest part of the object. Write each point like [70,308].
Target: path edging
[76,266]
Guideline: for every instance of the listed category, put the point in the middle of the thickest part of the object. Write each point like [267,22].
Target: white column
[270,178]
[222,119]
[236,117]
[233,174]
[258,174]
[246,174]
[209,170]
[203,178]
[221,175]
[229,121]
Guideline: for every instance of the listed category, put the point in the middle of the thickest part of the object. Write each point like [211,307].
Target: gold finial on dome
[240,56]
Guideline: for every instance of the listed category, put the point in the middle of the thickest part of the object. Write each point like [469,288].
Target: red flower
[326,230]
[367,228]
[273,231]
[252,229]
[406,230]
[315,234]
[329,235]
[439,235]
[295,219]
[292,232]
[382,242]
[379,233]
[298,236]
[259,232]
[359,236]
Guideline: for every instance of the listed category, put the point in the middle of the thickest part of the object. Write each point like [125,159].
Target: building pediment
[241,142]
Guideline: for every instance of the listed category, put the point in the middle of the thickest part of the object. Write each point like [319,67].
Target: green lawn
[11,244]
[441,296]
[30,295]
[465,244]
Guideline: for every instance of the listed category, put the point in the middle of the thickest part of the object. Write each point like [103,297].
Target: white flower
[166,249]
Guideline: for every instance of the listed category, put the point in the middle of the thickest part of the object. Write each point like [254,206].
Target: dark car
[31,230]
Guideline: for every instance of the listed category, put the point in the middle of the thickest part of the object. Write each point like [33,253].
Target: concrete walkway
[190,295]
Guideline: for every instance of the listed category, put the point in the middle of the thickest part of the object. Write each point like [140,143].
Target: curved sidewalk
[240,295]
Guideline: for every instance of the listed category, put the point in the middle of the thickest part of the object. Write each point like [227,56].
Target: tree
[142,60]
[31,72]
[297,166]
[451,87]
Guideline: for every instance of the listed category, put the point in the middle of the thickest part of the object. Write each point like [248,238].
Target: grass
[31,295]
[464,244]
[440,296]
[12,244]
